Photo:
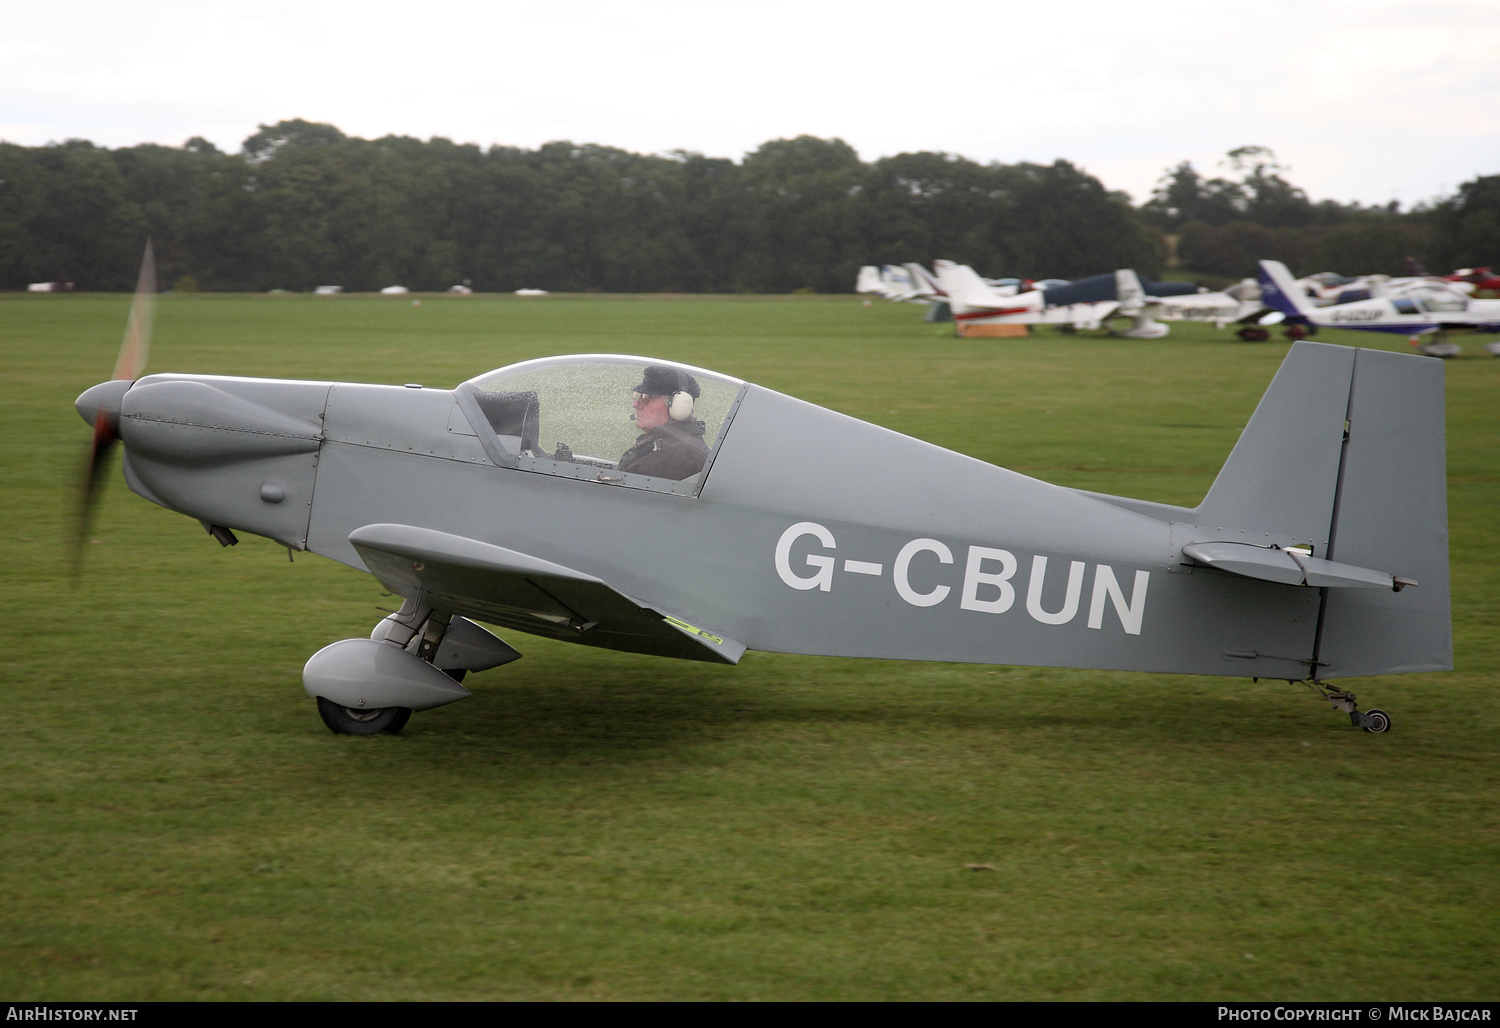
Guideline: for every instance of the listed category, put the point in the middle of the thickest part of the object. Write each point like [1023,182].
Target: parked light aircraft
[1088,303]
[1465,279]
[1168,301]
[887,281]
[907,283]
[1319,553]
[912,283]
[1414,313]
[1327,288]
[1478,278]
[925,289]
[973,300]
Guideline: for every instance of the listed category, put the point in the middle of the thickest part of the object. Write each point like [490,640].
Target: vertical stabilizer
[1129,291]
[1279,291]
[1283,473]
[968,292]
[922,282]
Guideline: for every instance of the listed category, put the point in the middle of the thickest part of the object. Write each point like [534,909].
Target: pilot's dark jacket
[675,450]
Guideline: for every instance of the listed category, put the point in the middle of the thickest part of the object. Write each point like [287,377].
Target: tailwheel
[1373,720]
[343,720]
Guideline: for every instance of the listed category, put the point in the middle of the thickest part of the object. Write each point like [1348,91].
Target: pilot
[671,441]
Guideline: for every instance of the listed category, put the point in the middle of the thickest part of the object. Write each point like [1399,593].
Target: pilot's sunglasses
[639,397]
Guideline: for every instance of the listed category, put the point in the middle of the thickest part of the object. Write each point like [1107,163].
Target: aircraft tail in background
[1129,291]
[1279,291]
[1131,295]
[968,293]
[922,281]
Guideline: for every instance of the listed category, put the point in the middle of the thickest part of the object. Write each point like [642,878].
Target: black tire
[1377,721]
[456,673]
[352,721]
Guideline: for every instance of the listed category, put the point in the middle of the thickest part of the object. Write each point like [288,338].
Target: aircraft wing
[515,590]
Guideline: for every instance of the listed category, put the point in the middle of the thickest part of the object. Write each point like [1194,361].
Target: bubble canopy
[594,417]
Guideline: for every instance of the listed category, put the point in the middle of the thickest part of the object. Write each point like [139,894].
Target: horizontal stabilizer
[1290,567]
[516,590]
[1266,563]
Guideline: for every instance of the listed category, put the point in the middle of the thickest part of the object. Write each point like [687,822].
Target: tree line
[1222,225]
[302,204]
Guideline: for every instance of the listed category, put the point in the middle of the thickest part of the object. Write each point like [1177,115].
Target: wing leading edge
[516,590]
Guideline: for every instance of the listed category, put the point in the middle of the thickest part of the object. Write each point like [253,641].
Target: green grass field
[177,824]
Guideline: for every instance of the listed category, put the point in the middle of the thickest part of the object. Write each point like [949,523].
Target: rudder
[1392,514]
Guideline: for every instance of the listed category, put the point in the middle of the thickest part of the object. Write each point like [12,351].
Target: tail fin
[1279,291]
[966,290]
[922,282]
[891,275]
[1347,451]
[868,280]
[895,283]
[1283,474]
[1129,291]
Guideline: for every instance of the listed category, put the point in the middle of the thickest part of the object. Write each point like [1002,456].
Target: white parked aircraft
[906,283]
[1087,303]
[1430,310]
[974,301]
[903,283]
[1327,288]
[913,283]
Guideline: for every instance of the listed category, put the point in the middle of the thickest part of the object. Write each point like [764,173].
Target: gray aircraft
[652,507]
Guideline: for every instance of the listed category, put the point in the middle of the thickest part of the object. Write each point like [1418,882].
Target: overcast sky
[1368,100]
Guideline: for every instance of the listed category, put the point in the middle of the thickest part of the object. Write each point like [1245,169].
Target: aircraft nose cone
[105,396]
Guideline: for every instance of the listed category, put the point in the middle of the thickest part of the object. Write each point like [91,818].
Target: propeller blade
[134,349]
[105,438]
[136,346]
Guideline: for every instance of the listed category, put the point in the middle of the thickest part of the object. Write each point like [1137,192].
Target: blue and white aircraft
[1416,313]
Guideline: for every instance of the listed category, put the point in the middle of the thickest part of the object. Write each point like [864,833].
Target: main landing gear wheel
[1376,721]
[354,721]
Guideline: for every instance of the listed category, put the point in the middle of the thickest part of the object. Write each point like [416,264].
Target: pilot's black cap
[661,380]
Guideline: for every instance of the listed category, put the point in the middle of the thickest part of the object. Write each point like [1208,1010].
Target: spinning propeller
[103,400]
